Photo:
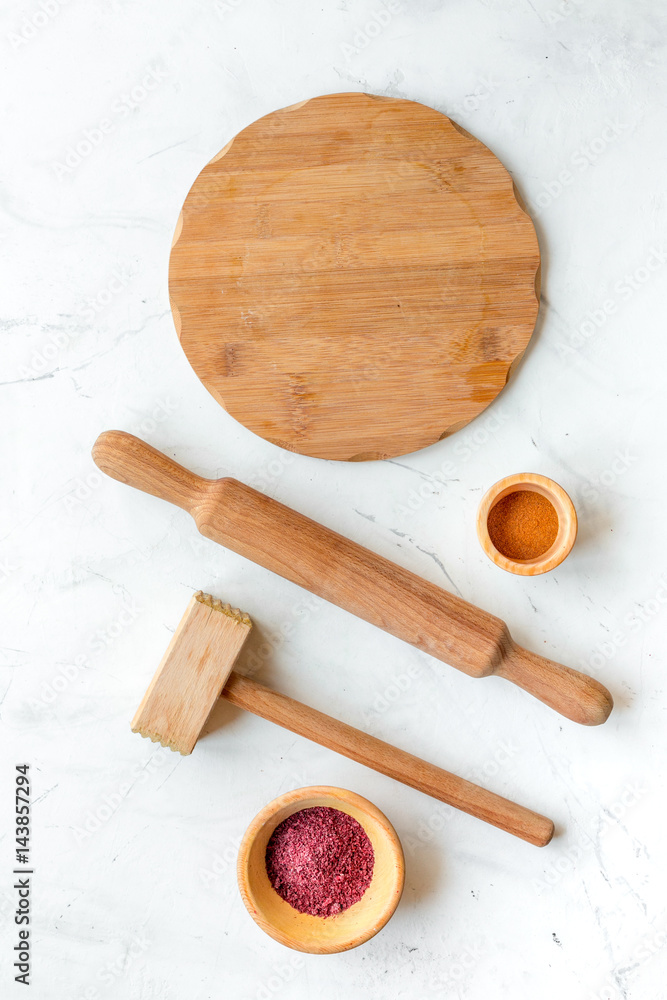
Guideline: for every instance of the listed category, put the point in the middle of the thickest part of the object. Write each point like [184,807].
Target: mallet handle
[354,578]
[470,798]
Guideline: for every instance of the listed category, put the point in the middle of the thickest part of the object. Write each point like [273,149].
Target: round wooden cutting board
[353,277]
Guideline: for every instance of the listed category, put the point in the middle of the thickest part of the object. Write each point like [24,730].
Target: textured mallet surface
[192,673]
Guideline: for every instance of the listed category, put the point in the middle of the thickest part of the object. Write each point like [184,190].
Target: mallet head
[192,673]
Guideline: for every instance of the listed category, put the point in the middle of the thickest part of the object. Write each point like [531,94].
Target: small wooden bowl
[567,523]
[301,931]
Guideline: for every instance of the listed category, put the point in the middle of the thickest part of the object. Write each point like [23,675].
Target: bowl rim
[567,523]
[338,797]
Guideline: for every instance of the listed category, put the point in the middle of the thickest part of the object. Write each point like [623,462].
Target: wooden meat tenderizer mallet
[354,578]
[197,668]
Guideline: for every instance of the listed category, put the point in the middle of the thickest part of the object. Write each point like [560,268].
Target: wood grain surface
[353,577]
[353,277]
[197,668]
[192,673]
[567,523]
[387,759]
[301,931]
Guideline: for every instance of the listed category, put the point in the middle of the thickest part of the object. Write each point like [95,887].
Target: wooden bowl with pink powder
[321,869]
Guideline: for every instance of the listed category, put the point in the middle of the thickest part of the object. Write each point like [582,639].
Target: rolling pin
[354,578]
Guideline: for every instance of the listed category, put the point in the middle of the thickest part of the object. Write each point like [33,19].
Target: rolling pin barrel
[340,571]
[354,578]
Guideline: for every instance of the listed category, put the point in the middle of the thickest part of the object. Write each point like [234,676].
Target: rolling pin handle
[363,583]
[131,461]
[576,696]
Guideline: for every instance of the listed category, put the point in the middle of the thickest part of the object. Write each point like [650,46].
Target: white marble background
[134,892]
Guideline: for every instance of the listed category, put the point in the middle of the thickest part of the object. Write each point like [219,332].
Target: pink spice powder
[320,861]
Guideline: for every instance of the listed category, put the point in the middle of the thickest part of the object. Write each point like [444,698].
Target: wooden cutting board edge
[514,364]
